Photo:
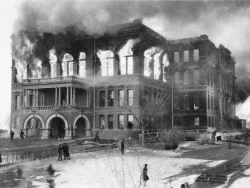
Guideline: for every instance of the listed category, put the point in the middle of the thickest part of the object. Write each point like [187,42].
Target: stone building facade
[88,83]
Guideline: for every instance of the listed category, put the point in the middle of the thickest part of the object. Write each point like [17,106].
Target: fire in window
[121,97]
[107,62]
[130,121]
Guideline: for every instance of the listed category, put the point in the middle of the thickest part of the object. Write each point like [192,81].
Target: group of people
[21,134]
[63,150]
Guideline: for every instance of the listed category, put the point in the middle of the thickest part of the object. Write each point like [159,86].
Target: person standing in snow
[122,146]
[145,174]
[22,134]
[60,151]
[96,137]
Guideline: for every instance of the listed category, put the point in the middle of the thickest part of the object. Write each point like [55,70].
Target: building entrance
[80,128]
[57,128]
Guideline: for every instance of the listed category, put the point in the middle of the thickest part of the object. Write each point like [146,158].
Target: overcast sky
[225,22]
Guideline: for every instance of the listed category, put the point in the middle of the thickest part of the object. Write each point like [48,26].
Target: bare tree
[154,106]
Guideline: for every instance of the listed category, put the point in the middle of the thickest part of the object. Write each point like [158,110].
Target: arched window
[186,78]
[82,64]
[107,62]
[176,78]
[196,77]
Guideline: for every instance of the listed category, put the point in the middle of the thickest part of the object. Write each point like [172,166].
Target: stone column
[71,93]
[67,95]
[37,95]
[59,102]
[74,95]
[56,96]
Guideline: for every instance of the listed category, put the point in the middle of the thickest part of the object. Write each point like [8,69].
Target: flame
[106,59]
[82,64]
[152,58]
[67,64]
[242,110]
[166,63]
[36,68]
[53,62]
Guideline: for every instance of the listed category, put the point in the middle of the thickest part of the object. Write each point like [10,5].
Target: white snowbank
[247,172]
[241,183]
[214,163]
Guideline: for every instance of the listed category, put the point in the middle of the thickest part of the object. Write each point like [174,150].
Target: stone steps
[212,178]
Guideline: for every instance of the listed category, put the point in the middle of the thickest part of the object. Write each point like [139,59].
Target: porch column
[87,103]
[56,96]
[34,97]
[23,101]
[74,95]
[71,96]
[37,92]
[59,102]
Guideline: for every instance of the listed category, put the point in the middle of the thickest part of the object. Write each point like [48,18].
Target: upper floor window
[196,77]
[186,56]
[196,102]
[107,62]
[196,121]
[67,65]
[176,57]
[165,66]
[126,65]
[196,55]
[121,97]
[186,102]
[110,98]
[82,64]
[18,104]
[130,97]
[121,121]
[186,78]
[102,99]
[17,122]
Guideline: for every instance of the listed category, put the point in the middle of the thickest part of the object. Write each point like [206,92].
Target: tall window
[126,65]
[186,78]
[186,56]
[196,77]
[82,64]
[18,102]
[110,122]
[102,99]
[121,121]
[121,97]
[196,102]
[102,121]
[196,55]
[176,78]
[130,97]
[208,101]
[176,57]
[177,102]
[130,121]
[110,98]
[17,122]
[186,102]
[107,62]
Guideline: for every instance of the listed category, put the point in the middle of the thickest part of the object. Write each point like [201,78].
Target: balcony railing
[56,79]
[49,108]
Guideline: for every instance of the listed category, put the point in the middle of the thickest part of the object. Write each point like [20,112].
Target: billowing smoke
[242,110]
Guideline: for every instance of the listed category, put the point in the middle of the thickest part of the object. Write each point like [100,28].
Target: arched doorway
[80,128]
[57,128]
[33,128]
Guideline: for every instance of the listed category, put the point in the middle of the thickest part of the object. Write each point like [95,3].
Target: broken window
[176,57]
[186,78]
[121,97]
[82,64]
[110,98]
[196,55]
[130,121]
[110,122]
[130,97]
[121,121]
[186,56]
[196,102]
[176,78]
[196,121]
[102,99]
[102,122]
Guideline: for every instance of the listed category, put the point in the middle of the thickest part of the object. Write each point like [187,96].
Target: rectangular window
[108,67]
[196,102]
[110,98]
[186,102]
[70,66]
[130,97]
[126,65]
[208,102]
[176,57]
[186,56]
[102,121]
[130,121]
[18,102]
[196,55]
[121,121]
[17,122]
[196,121]
[102,99]
[110,122]
[121,97]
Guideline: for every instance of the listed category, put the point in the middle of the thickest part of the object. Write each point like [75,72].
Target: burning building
[69,86]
